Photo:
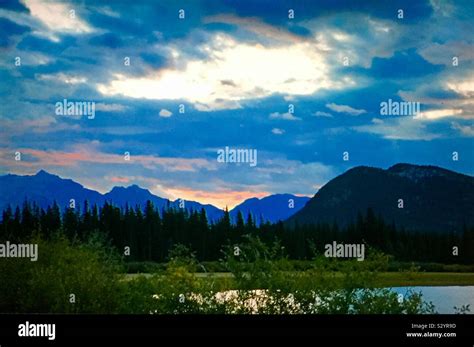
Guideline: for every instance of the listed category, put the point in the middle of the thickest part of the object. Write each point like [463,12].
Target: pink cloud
[39,159]
[117,179]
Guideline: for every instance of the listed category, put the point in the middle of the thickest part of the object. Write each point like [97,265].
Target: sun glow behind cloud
[234,72]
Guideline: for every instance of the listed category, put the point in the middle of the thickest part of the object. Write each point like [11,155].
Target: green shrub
[88,271]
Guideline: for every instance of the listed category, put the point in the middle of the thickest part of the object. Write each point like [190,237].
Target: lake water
[444,298]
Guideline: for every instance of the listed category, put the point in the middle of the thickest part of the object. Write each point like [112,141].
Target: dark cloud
[13,5]
[9,29]
[107,40]
[37,44]
[228,83]
[144,21]
[402,65]
[276,12]
[224,27]
[154,60]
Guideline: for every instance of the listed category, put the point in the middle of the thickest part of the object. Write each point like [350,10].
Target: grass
[404,279]
[384,279]
[301,265]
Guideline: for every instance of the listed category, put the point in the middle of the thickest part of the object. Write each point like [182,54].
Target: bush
[87,271]
[262,281]
[147,267]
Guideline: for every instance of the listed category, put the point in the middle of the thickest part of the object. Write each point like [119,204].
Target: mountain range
[417,198]
[45,188]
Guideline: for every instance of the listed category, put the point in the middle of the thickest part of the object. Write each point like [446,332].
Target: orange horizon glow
[220,199]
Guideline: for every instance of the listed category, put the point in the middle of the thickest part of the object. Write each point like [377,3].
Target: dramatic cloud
[233,72]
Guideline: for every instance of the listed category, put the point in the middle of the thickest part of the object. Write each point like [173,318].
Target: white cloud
[322,114]
[107,11]
[165,113]
[465,130]
[57,17]
[63,78]
[283,116]
[457,100]
[443,7]
[218,105]
[278,131]
[341,40]
[110,107]
[29,58]
[465,87]
[436,114]
[437,53]
[377,121]
[345,109]
[233,72]
[257,27]
[402,128]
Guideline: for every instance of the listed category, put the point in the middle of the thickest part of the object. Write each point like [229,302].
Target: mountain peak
[43,173]
[132,188]
[45,176]
[271,208]
[435,199]
[406,166]
[417,172]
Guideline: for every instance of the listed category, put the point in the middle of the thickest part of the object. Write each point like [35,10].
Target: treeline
[150,233]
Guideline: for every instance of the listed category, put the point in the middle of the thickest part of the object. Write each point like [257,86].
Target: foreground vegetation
[383,280]
[92,273]
[197,267]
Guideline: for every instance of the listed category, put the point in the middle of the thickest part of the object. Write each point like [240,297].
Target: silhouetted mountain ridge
[271,208]
[45,188]
[432,198]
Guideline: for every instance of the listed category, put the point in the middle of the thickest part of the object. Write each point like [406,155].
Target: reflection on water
[444,298]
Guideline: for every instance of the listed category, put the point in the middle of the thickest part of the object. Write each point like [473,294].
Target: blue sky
[237,68]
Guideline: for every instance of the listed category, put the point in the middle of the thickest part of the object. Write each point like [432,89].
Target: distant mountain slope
[134,195]
[434,199]
[272,208]
[45,188]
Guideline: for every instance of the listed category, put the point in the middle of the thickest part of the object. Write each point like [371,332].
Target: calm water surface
[444,298]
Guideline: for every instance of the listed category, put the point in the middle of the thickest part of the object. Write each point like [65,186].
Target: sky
[299,82]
